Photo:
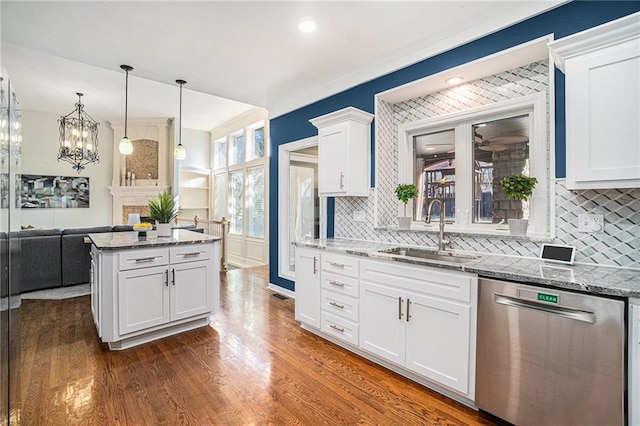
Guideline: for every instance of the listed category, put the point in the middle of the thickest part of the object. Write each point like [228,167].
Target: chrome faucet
[442,243]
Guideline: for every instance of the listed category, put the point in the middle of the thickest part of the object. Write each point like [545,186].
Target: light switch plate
[592,223]
[358,216]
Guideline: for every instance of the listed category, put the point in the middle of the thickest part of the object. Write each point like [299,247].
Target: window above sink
[460,158]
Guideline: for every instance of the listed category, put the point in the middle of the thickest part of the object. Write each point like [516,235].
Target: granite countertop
[592,279]
[129,240]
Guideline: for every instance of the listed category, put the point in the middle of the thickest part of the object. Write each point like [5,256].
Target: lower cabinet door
[143,297]
[438,335]
[192,289]
[382,321]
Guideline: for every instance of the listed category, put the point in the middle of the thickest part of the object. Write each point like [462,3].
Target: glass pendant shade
[180,152]
[125,146]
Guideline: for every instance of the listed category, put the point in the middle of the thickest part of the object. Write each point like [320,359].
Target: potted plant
[405,192]
[163,210]
[519,187]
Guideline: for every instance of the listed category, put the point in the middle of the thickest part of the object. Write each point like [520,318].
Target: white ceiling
[234,55]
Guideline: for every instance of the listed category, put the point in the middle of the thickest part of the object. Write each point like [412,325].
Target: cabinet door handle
[408,304]
[336,264]
[335,327]
[315,265]
[336,283]
[341,180]
[194,254]
[166,278]
[337,305]
[145,259]
[400,308]
[173,276]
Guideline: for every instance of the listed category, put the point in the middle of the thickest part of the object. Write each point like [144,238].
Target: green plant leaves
[163,209]
[519,187]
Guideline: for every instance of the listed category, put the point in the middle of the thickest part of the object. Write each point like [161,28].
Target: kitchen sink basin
[444,256]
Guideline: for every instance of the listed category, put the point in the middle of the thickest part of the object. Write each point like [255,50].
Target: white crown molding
[595,38]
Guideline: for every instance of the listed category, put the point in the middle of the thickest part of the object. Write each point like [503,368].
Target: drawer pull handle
[336,283]
[336,264]
[315,265]
[341,180]
[166,278]
[146,259]
[335,327]
[197,253]
[173,276]
[337,305]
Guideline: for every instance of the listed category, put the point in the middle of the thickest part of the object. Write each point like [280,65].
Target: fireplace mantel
[132,196]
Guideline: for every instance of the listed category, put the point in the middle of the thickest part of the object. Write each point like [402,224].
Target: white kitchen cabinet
[434,320]
[634,362]
[602,67]
[142,294]
[383,326]
[307,307]
[143,297]
[340,307]
[344,152]
[422,319]
[151,296]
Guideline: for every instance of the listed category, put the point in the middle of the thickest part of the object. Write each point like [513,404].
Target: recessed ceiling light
[454,80]
[307,26]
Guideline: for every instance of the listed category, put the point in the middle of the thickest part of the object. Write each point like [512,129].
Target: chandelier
[78,138]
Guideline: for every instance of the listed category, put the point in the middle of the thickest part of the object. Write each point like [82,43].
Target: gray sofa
[52,258]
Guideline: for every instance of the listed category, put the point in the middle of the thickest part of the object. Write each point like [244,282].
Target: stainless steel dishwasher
[548,357]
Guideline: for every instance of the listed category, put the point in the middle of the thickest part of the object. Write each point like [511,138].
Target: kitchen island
[146,289]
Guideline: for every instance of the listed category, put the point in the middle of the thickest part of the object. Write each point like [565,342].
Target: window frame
[541,203]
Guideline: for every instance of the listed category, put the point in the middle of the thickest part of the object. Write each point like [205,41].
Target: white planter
[518,226]
[164,229]
[404,222]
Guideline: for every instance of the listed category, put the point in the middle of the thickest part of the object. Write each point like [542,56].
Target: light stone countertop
[129,240]
[586,278]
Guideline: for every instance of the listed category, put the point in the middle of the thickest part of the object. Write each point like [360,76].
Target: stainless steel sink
[444,256]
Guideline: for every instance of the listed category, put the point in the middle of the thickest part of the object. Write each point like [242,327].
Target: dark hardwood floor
[254,365]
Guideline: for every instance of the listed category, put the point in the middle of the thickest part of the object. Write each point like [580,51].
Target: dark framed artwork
[57,192]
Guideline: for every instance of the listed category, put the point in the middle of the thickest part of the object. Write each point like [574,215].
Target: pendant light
[126,146]
[180,153]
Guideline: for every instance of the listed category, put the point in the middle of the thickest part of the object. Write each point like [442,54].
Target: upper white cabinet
[344,152]
[602,67]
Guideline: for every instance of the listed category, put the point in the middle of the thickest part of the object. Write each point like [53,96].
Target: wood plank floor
[254,365]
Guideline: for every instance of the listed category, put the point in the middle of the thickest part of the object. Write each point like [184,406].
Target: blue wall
[563,21]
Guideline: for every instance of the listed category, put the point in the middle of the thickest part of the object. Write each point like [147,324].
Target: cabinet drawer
[452,285]
[191,253]
[340,284]
[143,258]
[341,305]
[339,327]
[340,264]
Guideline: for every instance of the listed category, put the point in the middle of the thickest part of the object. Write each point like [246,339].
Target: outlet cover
[358,216]
[592,223]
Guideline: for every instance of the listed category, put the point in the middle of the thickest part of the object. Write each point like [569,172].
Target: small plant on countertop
[519,187]
[163,209]
[405,192]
